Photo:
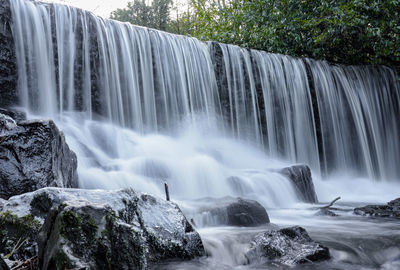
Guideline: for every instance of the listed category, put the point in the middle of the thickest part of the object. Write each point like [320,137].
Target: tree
[138,12]
[345,31]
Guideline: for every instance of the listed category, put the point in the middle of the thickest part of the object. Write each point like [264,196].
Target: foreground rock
[288,246]
[390,210]
[33,155]
[3,265]
[300,176]
[18,232]
[98,229]
[230,211]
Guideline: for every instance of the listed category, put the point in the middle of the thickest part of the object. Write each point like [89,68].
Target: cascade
[119,79]
[141,107]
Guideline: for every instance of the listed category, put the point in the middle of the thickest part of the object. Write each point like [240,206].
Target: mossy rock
[41,204]
[18,235]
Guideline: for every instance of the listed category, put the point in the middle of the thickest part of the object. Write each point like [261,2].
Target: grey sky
[103,8]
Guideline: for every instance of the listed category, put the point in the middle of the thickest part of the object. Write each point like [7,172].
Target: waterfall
[143,81]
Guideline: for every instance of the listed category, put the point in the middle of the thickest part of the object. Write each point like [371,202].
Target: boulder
[99,229]
[390,210]
[33,155]
[230,211]
[288,246]
[300,176]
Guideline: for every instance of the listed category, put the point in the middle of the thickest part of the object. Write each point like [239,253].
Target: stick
[332,202]
[28,263]
[166,191]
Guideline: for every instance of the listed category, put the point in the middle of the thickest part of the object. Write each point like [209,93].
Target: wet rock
[33,155]
[300,176]
[3,265]
[14,114]
[6,124]
[231,211]
[8,66]
[288,246]
[390,210]
[18,236]
[99,229]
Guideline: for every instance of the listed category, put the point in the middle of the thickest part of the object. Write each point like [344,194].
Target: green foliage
[138,12]
[160,14]
[345,31]
[22,226]
[41,203]
[76,228]
[181,24]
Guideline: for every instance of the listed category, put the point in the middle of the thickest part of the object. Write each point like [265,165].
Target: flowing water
[142,107]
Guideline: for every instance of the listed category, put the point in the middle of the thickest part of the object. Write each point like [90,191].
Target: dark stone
[300,176]
[33,155]
[3,265]
[101,229]
[390,210]
[246,213]
[233,212]
[8,67]
[14,114]
[288,246]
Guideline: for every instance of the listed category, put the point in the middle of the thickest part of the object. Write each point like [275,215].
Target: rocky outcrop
[300,176]
[390,210]
[8,67]
[14,114]
[33,155]
[99,229]
[230,211]
[288,246]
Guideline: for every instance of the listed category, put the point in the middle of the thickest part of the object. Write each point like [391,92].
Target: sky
[102,8]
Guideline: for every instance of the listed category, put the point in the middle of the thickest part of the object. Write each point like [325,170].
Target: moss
[41,203]
[70,225]
[129,212]
[15,230]
[22,225]
[125,245]
[74,227]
